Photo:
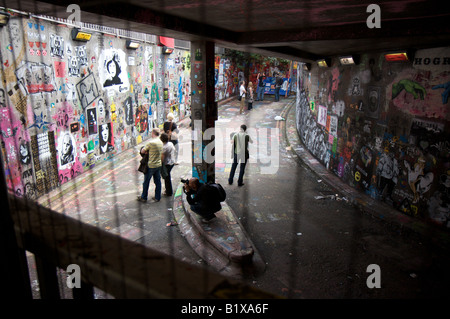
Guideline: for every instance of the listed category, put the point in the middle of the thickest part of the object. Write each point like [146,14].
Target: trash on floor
[171,224]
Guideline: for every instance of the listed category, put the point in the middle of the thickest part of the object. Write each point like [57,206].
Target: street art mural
[66,106]
[226,78]
[112,70]
[383,128]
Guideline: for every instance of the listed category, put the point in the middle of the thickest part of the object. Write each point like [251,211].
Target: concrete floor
[312,248]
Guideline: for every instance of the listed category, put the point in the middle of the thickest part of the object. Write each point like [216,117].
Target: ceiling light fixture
[78,35]
[132,44]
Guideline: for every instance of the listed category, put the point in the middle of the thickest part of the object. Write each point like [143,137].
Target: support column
[14,267]
[203,110]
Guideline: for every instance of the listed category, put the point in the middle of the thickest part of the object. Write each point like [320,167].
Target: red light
[396,57]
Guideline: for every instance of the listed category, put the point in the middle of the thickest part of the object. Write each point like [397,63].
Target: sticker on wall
[92,121]
[113,112]
[334,125]
[74,127]
[128,107]
[141,121]
[56,46]
[60,69]
[113,70]
[87,90]
[106,138]
[73,66]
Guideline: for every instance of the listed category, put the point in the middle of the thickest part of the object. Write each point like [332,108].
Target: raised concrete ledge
[223,232]
[222,243]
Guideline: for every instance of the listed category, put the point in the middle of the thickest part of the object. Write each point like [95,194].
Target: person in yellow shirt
[154,150]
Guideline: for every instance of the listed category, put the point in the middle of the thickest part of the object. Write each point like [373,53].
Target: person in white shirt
[242,92]
[240,153]
[168,158]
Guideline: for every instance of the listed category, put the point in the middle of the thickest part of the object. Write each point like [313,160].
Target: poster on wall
[36,77]
[87,90]
[373,103]
[92,121]
[128,108]
[106,138]
[322,115]
[66,149]
[113,70]
[44,158]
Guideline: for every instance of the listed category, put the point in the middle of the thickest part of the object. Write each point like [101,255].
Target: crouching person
[202,199]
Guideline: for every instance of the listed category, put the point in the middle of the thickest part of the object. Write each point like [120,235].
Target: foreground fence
[117,266]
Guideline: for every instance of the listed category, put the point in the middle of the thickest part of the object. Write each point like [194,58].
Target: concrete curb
[364,202]
[237,248]
[222,243]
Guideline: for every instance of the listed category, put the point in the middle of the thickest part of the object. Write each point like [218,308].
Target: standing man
[168,159]
[240,154]
[154,150]
[260,89]
[278,84]
[242,92]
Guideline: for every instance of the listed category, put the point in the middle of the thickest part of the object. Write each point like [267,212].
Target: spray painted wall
[177,94]
[227,76]
[67,105]
[383,128]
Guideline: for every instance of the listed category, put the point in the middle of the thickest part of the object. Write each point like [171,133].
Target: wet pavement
[313,245]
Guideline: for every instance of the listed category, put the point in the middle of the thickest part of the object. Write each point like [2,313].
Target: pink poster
[60,69]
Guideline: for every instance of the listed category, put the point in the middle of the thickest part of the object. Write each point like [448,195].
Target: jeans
[277,94]
[241,170]
[242,105]
[260,93]
[156,174]
[168,181]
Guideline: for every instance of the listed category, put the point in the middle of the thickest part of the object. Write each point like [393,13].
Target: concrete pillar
[203,110]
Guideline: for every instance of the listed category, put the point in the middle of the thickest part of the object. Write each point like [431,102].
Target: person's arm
[192,200]
[144,150]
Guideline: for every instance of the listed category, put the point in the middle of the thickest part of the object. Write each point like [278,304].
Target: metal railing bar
[132,270]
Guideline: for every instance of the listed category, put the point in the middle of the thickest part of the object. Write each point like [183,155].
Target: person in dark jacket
[202,199]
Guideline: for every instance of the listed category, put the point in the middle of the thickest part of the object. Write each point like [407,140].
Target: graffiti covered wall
[67,105]
[383,128]
[227,75]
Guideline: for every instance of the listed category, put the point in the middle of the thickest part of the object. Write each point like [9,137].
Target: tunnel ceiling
[301,30]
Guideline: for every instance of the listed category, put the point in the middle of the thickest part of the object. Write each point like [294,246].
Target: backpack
[221,195]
